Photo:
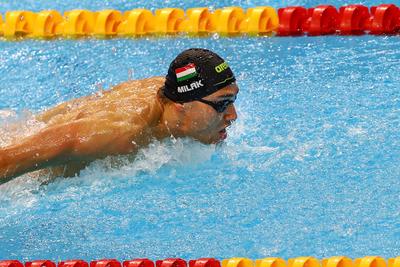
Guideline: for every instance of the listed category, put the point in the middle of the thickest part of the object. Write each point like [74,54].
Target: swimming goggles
[219,106]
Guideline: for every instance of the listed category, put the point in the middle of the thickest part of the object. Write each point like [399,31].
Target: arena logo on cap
[186,72]
[221,67]
[191,87]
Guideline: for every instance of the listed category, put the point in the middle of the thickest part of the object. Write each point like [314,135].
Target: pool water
[311,167]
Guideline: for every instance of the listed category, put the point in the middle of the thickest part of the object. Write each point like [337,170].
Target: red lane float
[11,263]
[105,263]
[353,19]
[73,263]
[385,19]
[138,263]
[350,20]
[40,263]
[291,20]
[322,20]
[171,262]
[204,262]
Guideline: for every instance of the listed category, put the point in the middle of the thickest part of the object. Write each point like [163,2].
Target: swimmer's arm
[65,107]
[78,141]
[60,109]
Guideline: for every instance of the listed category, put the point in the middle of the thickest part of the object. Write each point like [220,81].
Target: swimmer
[194,100]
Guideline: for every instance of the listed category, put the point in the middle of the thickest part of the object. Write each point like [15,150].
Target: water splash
[105,175]
[16,125]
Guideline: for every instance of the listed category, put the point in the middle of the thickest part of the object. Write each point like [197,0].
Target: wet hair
[194,74]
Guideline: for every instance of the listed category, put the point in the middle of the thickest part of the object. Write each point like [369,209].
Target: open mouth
[223,134]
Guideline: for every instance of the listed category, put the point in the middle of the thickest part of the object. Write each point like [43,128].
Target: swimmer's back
[131,100]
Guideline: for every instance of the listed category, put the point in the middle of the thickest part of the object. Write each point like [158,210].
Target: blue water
[311,167]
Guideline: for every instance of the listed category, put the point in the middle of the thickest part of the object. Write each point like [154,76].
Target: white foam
[103,175]
[15,126]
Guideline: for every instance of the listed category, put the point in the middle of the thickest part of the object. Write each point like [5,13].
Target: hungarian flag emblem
[186,72]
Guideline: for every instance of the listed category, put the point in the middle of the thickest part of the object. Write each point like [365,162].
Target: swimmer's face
[204,123]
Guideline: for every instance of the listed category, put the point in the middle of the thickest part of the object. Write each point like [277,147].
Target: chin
[219,139]
[219,142]
[208,141]
[214,141]
[216,138]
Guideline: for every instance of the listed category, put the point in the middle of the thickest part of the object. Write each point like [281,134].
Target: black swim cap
[196,73]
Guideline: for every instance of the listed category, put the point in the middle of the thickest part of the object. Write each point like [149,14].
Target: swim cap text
[192,86]
[221,67]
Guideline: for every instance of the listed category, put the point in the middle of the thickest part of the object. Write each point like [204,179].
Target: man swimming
[195,99]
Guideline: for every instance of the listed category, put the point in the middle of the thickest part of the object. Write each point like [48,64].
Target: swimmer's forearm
[5,173]
[9,167]
[82,140]
[32,154]
[52,146]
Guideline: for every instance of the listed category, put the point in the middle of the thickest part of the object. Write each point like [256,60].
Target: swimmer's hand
[80,140]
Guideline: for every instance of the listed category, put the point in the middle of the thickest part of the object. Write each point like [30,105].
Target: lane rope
[336,261]
[262,20]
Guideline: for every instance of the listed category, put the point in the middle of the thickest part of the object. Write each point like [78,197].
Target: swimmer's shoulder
[142,84]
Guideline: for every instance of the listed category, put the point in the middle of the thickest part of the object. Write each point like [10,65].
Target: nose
[230,113]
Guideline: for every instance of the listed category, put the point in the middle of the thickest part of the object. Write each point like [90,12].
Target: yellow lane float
[304,262]
[370,261]
[394,262]
[337,261]
[136,22]
[46,23]
[77,23]
[260,20]
[270,262]
[1,25]
[199,20]
[237,262]
[229,19]
[169,20]
[106,22]
[18,23]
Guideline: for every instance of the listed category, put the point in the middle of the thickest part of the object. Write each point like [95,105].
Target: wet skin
[113,122]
